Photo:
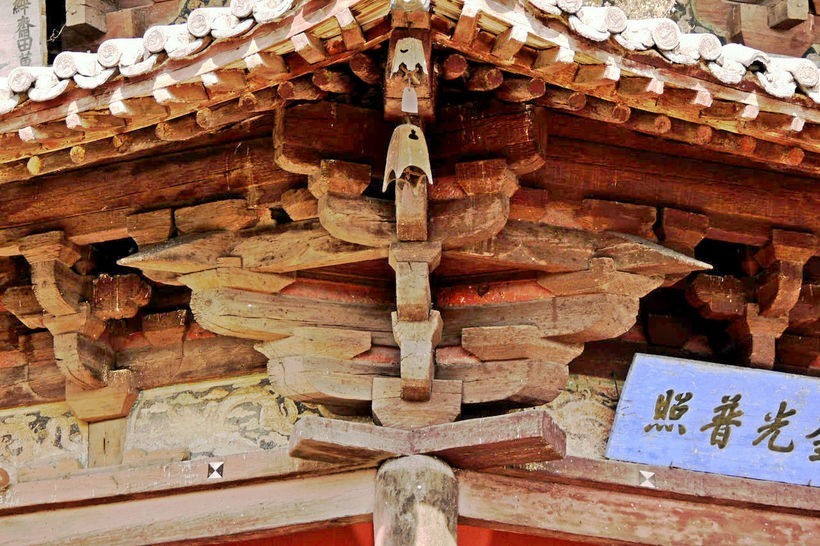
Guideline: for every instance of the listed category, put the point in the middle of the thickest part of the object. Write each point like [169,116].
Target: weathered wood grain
[273,316]
[343,498]
[519,504]
[416,503]
[515,132]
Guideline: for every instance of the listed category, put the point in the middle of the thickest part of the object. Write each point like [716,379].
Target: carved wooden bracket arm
[74,311]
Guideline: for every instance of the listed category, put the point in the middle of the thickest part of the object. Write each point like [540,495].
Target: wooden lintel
[519,504]
[312,502]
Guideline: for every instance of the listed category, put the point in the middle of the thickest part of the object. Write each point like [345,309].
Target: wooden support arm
[756,336]
[783,259]
[417,341]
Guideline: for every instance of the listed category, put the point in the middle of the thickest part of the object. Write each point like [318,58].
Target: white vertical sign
[22,34]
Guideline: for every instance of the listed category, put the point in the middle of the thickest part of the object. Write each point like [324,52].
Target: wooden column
[416,503]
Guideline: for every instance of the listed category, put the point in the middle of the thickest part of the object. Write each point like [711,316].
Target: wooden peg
[309,47]
[509,42]
[521,89]
[332,81]
[484,78]
[365,68]
[93,121]
[594,76]
[352,35]
[300,89]
[454,66]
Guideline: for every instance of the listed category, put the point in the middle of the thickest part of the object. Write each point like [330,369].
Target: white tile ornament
[598,23]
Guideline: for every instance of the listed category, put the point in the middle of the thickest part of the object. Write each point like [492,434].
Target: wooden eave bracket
[758,307]
[783,259]
[515,438]
[95,391]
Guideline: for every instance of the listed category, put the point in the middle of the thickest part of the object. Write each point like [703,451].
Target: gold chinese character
[815,434]
[726,416]
[772,430]
[665,409]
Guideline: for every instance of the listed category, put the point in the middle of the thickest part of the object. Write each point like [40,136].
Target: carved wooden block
[300,204]
[334,440]
[600,215]
[339,177]
[756,336]
[85,362]
[413,263]
[230,214]
[602,277]
[490,176]
[515,381]
[515,438]
[309,246]
[345,386]
[804,317]
[108,402]
[150,227]
[783,257]
[22,303]
[718,297]
[417,341]
[515,342]
[390,409]
[84,322]
[681,230]
[164,329]
[327,342]
[119,296]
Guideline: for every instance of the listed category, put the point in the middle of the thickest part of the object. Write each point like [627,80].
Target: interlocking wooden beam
[516,438]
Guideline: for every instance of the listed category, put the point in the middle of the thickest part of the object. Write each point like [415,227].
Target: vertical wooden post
[416,503]
[106,440]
